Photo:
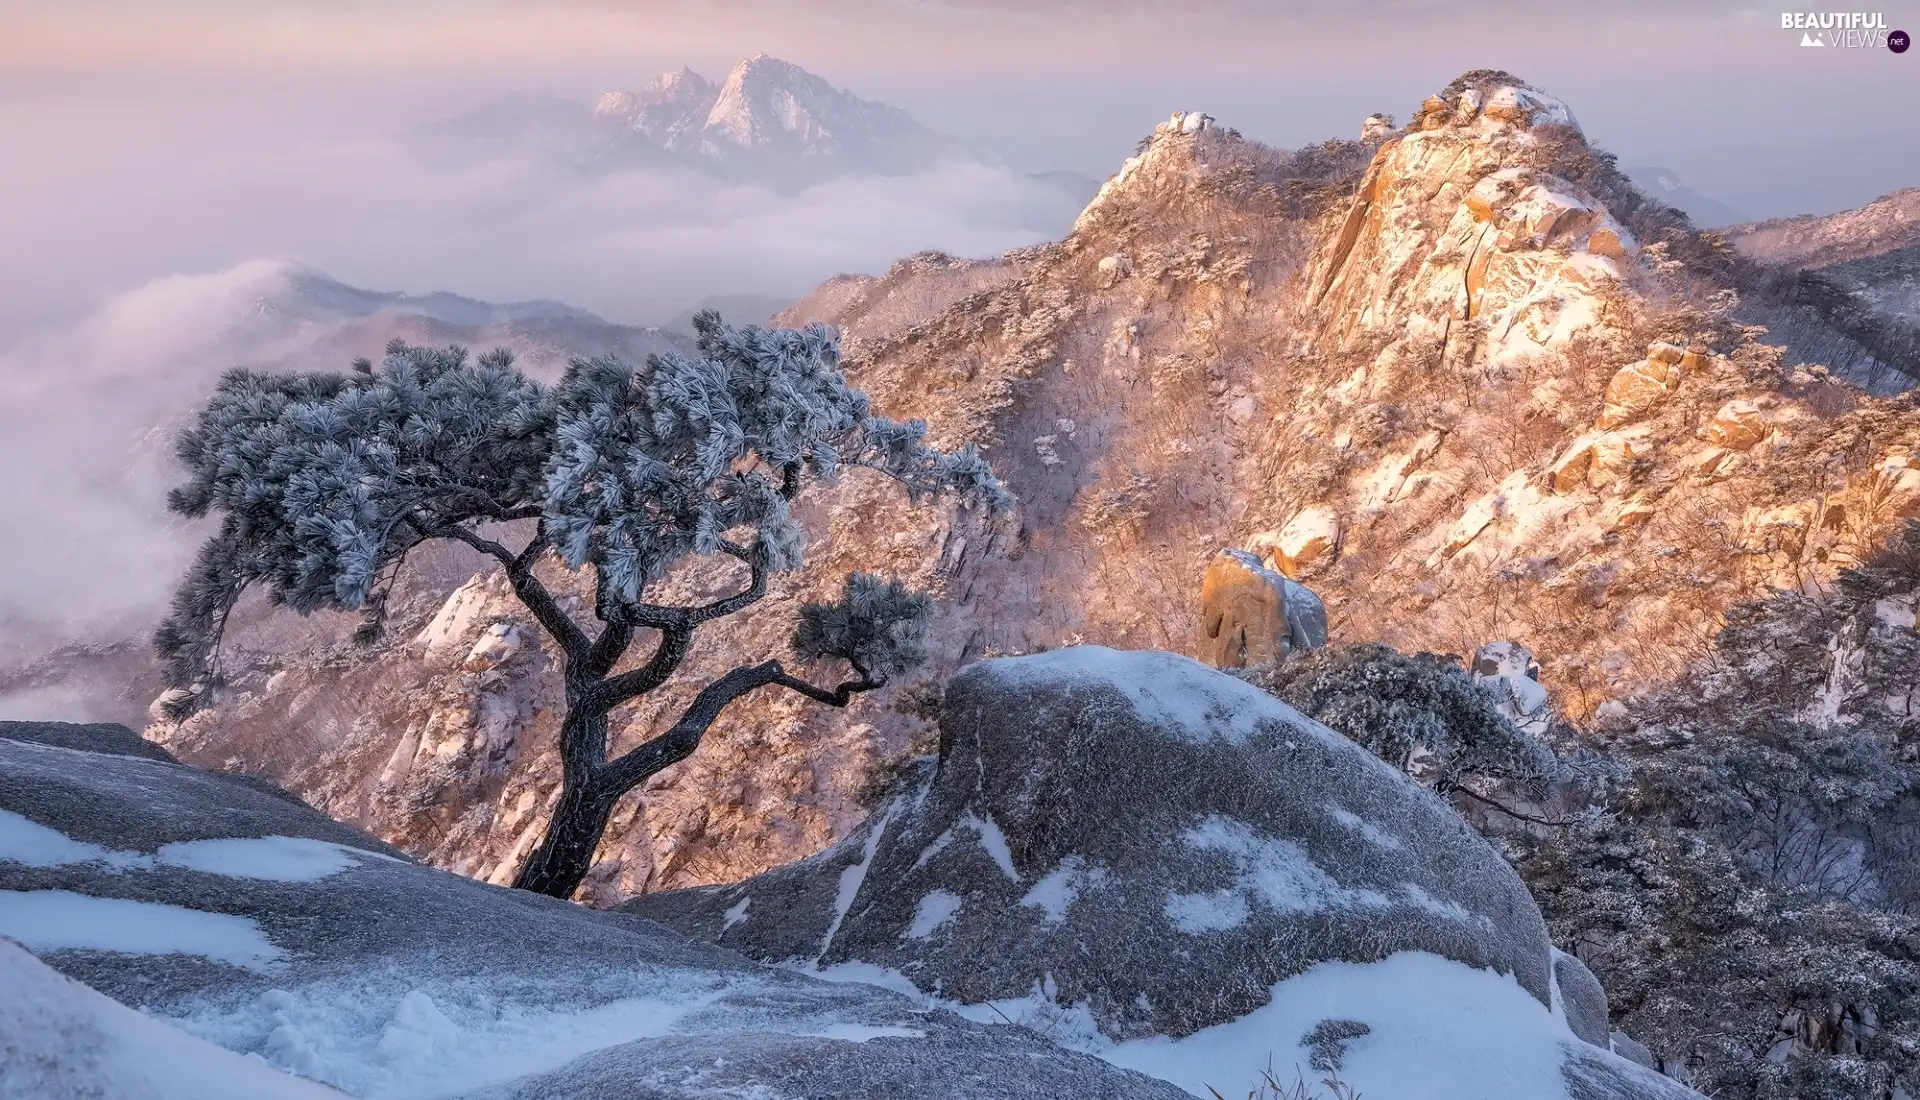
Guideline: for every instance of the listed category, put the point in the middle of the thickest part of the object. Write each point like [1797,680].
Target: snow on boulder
[1160,863]
[1737,426]
[1141,834]
[1568,474]
[1508,672]
[1251,615]
[1637,388]
[497,645]
[1376,127]
[1312,535]
[1190,122]
[1615,453]
[1582,1000]
[463,610]
[247,921]
[60,1040]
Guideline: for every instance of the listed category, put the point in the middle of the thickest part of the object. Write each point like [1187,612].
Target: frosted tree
[1421,713]
[324,482]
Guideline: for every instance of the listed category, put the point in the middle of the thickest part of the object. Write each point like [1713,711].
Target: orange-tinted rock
[1250,615]
[1569,473]
[1636,389]
[1737,426]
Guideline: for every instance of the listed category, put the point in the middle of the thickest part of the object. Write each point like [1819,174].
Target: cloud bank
[202,231]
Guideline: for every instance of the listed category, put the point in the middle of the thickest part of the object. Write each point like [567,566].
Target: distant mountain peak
[1666,185]
[771,112]
[768,121]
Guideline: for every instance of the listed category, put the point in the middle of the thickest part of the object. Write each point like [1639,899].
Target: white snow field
[60,1040]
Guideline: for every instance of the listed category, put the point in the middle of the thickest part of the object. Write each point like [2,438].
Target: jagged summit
[768,121]
[769,117]
[1492,98]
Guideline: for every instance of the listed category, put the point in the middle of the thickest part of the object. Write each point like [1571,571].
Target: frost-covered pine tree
[324,482]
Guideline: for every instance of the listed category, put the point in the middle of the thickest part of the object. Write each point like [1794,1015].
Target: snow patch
[861,1033]
[1172,693]
[855,876]
[1367,830]
[450,1041]
[267,858]
[32,844]
[1281,876]
[76,1042]
[994,841]
[934,910]
[418,1026]
[1059,888]
[935,847]
[60,920]
[1435,1026]
[735,914]
[1217,911]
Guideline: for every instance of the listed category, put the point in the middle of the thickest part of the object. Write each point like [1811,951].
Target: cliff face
[1459,379]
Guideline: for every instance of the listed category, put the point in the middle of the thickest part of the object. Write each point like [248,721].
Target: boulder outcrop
[1166,854]
[1639,387]
[104,737]
[1251,615]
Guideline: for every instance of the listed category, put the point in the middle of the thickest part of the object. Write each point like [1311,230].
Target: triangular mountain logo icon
[1809,40]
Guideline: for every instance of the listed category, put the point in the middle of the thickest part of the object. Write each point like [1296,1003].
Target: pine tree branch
[839,696]
[756,588]
[674,643]
[672,617]
[519,569]
[1515,814]
[680,740]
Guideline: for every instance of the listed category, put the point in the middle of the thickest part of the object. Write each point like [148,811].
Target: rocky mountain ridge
[1461,379]
[1887,224]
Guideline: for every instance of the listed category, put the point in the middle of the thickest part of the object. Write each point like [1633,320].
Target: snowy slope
[242,917]
[60,1040]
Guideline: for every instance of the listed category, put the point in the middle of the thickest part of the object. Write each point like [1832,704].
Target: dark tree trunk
[592,784]
[573,836]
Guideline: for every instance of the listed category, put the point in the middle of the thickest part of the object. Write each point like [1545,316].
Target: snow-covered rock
[1637,388]
[458,617]
[1736,426]
[1376,127]
[238,918]
[1508,672]
[1181,872]
[1451,225]
[1312,535]
[497,645]
[1582,1000]
[1251,615]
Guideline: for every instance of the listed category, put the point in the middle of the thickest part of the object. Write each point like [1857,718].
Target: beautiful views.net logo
[1845,30]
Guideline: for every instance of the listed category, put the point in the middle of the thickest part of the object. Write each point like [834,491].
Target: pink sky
[122,115]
